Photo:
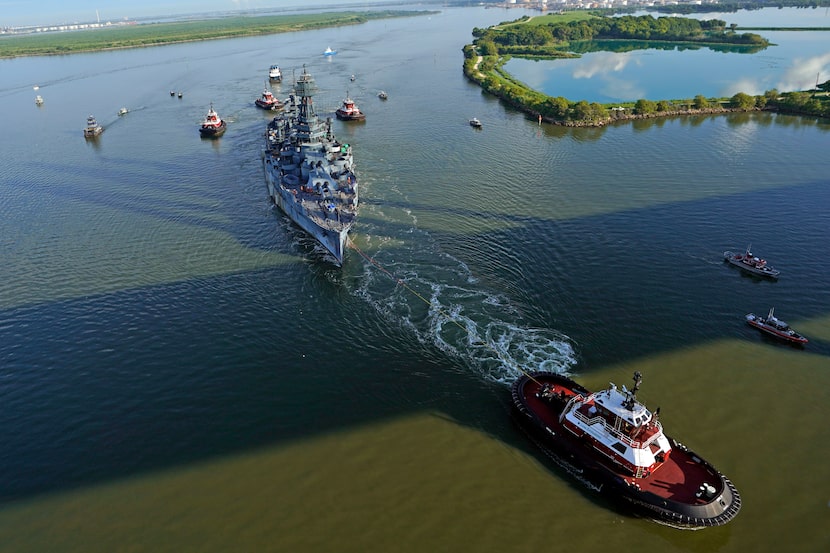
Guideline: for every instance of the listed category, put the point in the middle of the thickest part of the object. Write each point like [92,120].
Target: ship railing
[634,444]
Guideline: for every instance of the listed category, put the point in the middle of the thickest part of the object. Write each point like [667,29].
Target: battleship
[309,173]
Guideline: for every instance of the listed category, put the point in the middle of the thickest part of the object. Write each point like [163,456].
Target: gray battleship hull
[333,241]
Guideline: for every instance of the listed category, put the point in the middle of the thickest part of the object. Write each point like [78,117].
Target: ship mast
[308,128]
[305,89]
[631,397]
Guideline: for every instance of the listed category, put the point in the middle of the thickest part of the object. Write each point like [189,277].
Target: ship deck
[313,201]
[678,478]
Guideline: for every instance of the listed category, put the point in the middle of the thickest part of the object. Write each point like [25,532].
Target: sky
[22,13]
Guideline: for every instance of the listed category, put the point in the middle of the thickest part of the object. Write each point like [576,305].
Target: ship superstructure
[309,173]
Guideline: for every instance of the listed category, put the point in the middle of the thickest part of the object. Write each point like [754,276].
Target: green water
[182,372]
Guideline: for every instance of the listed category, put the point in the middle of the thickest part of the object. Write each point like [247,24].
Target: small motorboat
[750,263]
[329,52]
[349,111]
[382,95]
[475,123]
[123,111]
[274,74]
[39,100]
[268,101]
[352,78]
[212,126]
[92,129]
[775,327]
[180,94]
[172,93]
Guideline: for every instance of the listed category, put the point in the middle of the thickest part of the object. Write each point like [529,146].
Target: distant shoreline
[162,34]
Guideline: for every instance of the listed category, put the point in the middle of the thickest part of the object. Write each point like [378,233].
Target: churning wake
[436,297]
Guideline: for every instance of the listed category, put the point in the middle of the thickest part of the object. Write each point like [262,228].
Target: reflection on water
[181,372]
[805,73]
[615,71]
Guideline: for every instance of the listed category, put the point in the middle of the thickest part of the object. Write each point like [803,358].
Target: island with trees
[570,34]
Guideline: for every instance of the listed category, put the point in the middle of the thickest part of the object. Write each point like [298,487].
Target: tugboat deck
[614,445]
[678,478]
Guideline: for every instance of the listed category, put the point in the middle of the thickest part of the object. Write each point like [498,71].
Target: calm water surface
[181,370]
[793,61]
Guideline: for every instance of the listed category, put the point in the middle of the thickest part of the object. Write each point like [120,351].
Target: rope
[400,282]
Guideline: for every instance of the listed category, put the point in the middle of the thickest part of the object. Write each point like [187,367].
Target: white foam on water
[443,307]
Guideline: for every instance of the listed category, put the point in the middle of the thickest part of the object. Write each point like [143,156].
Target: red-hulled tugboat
[268,101]
[349,111]
[212,126]
[613,444]
[775,327]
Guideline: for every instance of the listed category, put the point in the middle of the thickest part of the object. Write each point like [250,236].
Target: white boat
[382,95]
[274,74]
[39,100]
[309,173]
[475,123]
[92,129]
[329,52]
[123,111]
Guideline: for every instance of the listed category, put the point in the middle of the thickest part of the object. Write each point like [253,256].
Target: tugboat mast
[631,397]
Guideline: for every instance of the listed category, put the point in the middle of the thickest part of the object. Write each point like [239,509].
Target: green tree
[742,100]
[700,102]
[581,111]
[557,107]
[644,107]
[488,48]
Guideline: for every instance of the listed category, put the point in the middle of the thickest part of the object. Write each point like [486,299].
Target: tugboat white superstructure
[212,125]
[614,444]
[268,101]
[309,173]
[349,111]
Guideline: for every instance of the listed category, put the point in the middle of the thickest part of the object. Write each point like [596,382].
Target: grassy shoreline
[158,34]
[560,35]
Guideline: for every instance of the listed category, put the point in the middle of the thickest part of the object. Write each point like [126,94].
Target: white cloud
[603,63]
[802,75]
[745,85]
